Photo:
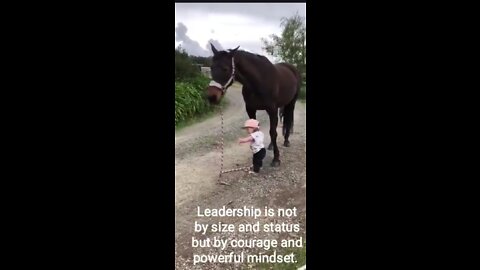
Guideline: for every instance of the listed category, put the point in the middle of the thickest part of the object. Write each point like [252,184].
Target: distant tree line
[187,66]
[190,85]
[291,45]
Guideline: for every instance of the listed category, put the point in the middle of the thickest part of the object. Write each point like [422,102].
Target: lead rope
[246,168]
[221,143]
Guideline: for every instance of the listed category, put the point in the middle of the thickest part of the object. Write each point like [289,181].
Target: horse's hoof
[286,144]
[275,163]
[270,147]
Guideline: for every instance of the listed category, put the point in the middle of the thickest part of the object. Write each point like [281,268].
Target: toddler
[255,139]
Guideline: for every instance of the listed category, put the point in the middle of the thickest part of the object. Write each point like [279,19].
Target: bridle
[228,83]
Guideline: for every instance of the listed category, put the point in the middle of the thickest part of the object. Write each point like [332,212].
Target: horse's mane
[255,58]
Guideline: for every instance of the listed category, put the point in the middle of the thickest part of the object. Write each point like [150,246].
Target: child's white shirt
[257,143]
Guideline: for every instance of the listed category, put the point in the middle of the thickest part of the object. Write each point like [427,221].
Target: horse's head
[223,74]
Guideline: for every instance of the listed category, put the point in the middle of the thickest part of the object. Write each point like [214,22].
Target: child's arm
[245,140]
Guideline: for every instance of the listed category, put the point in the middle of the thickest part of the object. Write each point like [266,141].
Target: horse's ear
[232,51]
[214,50]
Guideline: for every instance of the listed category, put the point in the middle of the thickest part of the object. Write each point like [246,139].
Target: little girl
[256,143]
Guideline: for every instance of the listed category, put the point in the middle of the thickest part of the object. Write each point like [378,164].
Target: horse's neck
[248,73]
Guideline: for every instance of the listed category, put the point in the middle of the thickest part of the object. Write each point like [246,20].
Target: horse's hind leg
[280,115]
[273,114]
[288,121]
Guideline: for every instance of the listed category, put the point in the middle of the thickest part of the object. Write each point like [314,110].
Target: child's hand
[240,141]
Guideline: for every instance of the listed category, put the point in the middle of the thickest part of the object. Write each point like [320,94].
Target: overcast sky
[229,25]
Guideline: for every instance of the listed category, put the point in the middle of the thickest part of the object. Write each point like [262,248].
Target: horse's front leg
[252,113]
[273,114]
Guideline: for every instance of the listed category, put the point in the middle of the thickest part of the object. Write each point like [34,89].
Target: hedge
[190,100]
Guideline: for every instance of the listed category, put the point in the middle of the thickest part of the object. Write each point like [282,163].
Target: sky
[228,25]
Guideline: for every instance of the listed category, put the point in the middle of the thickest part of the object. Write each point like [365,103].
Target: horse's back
[289,79]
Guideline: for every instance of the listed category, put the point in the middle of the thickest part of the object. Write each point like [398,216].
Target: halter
[224,87]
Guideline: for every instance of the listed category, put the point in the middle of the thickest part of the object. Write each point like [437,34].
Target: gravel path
[197,164]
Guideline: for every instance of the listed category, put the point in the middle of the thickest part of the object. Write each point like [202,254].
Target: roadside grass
[199,118]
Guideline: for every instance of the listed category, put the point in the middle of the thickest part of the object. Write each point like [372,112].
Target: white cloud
[232,24]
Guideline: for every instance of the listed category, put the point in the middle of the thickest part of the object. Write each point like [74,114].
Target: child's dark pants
[258,160]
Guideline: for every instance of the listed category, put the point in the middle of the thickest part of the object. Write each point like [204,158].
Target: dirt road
[197,165]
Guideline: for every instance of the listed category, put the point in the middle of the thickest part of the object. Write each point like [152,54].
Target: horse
[266,86]
[281,114]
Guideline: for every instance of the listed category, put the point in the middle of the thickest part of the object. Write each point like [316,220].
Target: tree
[291,46]
[204,61]
[184,66]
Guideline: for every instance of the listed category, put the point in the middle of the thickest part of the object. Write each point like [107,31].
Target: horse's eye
[225,69]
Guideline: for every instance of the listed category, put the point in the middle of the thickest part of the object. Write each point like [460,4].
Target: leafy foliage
[203,61]
[291,46]
[303,93]
[190,98]
[184,66]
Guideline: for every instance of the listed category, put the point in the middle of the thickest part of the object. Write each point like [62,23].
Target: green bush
[190,100]
[303,93]
[199,82]
[184,66]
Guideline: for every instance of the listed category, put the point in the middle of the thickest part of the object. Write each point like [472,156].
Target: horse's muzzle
[213,99]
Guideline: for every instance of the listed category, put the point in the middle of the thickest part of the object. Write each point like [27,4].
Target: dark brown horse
[281,115]
[265,87]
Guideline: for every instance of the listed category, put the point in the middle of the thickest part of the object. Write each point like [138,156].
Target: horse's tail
[290,107]
[288,116]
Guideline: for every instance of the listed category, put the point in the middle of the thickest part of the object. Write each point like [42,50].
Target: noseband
[227,84]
